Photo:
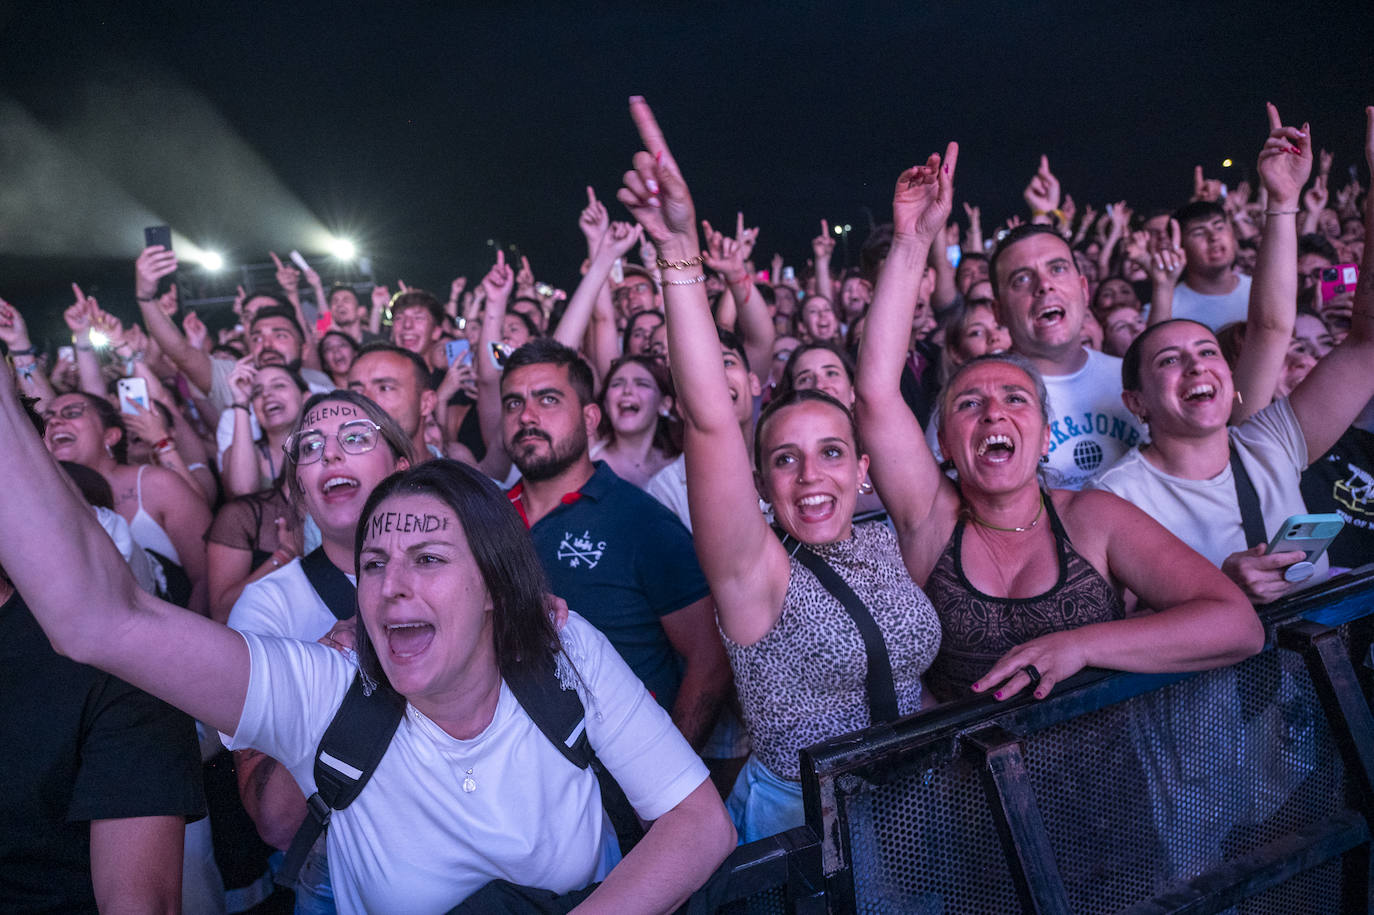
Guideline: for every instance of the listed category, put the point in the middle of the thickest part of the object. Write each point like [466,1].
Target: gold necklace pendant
[1012,530]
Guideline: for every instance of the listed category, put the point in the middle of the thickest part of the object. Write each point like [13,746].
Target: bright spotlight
[99,339]
[343,249]
[212,260]
[1225,163]
[839,230]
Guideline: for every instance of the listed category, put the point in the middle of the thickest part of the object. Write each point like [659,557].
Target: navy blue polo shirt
[622,560]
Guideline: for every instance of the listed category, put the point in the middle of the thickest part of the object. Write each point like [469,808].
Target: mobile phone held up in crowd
[1338,280]
[618,271]
[457,350]
[789,274]
[299,260]
[954,254]
[160,235]
[1311,534]
[66,353]
[132,391]
[500,352]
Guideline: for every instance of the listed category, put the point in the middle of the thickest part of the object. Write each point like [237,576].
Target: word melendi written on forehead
[329,411]
[405,523]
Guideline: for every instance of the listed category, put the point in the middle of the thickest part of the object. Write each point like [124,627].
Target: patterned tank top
[980,628]
[804,681]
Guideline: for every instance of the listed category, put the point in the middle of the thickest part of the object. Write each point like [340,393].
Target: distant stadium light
[212,260]
[1225,163]
[343,249]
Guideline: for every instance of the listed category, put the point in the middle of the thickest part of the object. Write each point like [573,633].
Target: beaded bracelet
[699,278]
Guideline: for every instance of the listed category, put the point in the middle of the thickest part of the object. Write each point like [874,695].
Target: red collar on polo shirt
[516,491]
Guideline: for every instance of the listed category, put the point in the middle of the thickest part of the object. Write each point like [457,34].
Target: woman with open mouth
[1226,489]
[801,644]
[166,516]
[637,435]
[1027,581]
[469,789]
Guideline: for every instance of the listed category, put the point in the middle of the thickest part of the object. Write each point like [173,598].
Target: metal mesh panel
[1141,795]
[1313,892]
[925,843]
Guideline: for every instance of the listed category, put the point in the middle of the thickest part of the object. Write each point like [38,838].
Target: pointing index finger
[1274,122]
[647,124]
[951,158]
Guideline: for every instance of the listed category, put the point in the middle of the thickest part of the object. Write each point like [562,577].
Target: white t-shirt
[669,486]
[1205,513]
[414,841]
[1213,310]
[139,563]
[1089,425]
[283,604]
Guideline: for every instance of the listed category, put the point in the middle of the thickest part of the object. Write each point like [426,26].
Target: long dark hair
[667,429]
[505,556]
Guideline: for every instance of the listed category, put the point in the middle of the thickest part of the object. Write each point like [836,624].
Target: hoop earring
[865,488]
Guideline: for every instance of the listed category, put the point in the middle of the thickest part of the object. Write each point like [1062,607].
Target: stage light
[1225,163]
[343,249]
[212,260]
[839,230]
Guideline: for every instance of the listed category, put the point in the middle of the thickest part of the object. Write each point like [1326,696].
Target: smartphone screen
[158,235]
[456,350]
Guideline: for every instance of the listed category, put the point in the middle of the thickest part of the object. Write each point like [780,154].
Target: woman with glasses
[342,447]
[166,516]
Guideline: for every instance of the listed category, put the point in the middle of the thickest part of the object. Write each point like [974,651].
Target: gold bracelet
[679,265]
[699,278]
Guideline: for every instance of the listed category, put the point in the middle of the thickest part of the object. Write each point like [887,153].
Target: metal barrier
[1247,789]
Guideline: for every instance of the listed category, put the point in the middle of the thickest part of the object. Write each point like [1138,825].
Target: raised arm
[1341,383]
[901,465]
[618,240]
[78,319]
[152,265]
[1285,161]
[496,288]
[822,249]
[240,467]
[63,556]
[15,333]
[727,256]
[743,561]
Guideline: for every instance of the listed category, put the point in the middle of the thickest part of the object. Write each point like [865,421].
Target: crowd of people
[735,509]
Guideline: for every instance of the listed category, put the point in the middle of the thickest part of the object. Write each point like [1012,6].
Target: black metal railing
[1249,787]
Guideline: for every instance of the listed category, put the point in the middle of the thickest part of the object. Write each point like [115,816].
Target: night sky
[422,134]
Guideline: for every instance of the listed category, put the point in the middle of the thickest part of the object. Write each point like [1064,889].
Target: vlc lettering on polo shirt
[580,550]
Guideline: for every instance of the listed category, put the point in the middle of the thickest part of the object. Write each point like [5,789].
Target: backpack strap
[882,694]
[349,752]
[558,712]
[330,584]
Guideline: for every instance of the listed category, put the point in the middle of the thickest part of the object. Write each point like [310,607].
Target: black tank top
[979,628]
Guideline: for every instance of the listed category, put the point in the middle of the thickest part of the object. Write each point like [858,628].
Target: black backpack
[358,736]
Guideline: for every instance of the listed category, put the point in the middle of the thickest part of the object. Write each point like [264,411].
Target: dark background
[422,133]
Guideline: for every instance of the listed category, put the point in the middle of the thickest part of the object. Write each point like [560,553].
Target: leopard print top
[803,682]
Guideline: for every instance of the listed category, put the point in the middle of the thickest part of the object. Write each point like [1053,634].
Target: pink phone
[1338,279]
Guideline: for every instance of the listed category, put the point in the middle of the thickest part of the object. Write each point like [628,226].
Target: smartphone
[618,271]
[457,350]
[500,352]
[1310,533]
[133,390]
[300,261]
[66,352]
[160,235]
[789,274]
[1338,279]
[954,254]
[544,289]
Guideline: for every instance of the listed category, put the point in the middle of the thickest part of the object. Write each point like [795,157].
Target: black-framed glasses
[357,436]
[73,410]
